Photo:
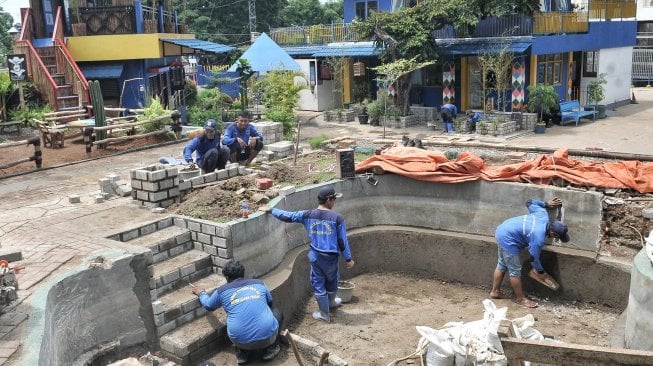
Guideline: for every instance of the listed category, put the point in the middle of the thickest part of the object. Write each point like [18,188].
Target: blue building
[567,44]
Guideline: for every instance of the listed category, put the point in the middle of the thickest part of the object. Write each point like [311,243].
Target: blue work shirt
[475,117]
[452,108]
[530,231]
[232,133]
[200,145]
[326,228]
[247,303]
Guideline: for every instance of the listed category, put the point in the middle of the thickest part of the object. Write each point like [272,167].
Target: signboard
[17,67]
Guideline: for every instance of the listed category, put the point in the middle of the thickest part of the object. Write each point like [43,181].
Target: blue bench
[571,110]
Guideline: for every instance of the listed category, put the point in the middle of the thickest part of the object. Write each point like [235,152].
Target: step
[70,101]
[178,271]
[165,243]
[194,341]
[179,307]
[65,90]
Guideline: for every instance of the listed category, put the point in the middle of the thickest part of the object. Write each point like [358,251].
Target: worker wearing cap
[209,154]
[526,231]
[328,233]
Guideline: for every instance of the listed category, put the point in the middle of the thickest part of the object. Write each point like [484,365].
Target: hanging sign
[17,67]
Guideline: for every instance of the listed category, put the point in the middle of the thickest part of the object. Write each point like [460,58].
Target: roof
[344,49]
[479,46]
[198,45]
[102,71]
[265,55]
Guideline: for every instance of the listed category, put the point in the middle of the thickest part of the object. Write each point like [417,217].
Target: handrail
[72,71]
[57,33]
[26,24]
[37,71]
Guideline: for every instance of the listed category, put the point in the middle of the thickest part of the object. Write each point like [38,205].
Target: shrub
[153,110]
[31,113]
[210,104]
[316,142]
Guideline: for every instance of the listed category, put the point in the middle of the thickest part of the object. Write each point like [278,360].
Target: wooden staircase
[66,98]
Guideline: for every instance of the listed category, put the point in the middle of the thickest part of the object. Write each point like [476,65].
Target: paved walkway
[53,234]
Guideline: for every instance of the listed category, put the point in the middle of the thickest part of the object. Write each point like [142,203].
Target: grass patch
[316,142]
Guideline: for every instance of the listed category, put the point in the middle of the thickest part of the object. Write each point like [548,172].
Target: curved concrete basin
[400,225]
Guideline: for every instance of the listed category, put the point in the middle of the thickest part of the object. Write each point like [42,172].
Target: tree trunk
[404,84]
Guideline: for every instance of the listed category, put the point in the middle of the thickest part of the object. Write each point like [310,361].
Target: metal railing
[65,63]
[107,19]
[314,34]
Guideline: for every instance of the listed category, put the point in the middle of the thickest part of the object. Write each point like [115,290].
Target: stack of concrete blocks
[272,132]
[210,237]
[425,115]
[155,185]
[105,190]
[407,121]
[119,186]
[506,128]
[528,121]
[231,170]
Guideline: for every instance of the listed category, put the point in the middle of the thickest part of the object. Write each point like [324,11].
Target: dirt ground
[378,325]
[73,150]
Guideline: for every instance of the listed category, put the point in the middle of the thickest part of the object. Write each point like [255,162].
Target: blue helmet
[210,124]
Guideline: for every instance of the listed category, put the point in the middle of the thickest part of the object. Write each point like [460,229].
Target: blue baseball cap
[561,230]
[210,124]
[328,192]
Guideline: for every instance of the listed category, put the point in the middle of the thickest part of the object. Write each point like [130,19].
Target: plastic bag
[439,351]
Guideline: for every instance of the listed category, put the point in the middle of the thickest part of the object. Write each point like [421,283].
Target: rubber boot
[323,305]
[334,300]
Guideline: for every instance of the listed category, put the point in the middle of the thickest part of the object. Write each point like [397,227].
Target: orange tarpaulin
[434,166]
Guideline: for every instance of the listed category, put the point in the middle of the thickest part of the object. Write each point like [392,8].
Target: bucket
[540,128]
[345,290]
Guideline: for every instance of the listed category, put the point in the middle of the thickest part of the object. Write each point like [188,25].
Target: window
[364,8]
[590,64]
[432,75]
[648,3]
[549,69]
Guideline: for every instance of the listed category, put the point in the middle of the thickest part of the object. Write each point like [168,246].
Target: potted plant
[362,113]
[596,93]
[375,111]
[541,98]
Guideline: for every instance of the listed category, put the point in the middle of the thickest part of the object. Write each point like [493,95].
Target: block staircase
[187,333]
[66,98]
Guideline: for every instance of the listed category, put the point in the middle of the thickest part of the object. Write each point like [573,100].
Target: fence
[643,64]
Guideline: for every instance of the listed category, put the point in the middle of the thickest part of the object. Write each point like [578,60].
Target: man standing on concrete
[328,233]
[252,325]
[209,154]
[243,140]
[448,113]
[526,231]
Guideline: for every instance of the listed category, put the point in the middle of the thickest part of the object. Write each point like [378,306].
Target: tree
[6,22]
[495,66]
[302,12]
[541,98]
[227,21]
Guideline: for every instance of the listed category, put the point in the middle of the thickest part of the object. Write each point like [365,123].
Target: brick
[203,238]
[155,176]
[170,277]
[98,199]
[219,242]
[208,229]
[148,229]
[137,184]
[166,184]
[264,183]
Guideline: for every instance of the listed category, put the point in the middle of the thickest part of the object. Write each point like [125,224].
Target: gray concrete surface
[55,236]
[639,314]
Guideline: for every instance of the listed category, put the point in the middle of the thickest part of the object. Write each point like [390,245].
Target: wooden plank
[554,353]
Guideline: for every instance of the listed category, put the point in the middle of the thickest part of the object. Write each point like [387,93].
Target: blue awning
[479,46]
[198,45]
[344,49]
[103,71]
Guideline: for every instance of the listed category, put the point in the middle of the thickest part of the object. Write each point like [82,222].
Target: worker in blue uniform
[243,140]
[209,154]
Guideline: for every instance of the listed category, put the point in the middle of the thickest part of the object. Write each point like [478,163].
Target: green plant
[280,94]
[31,113]
[316,142]
[210,103]
[361,89]
[596,89]
[6,89]
[375,110]
[153,110]
[541,98]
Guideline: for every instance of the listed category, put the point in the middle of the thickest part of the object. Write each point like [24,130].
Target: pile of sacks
[473,343]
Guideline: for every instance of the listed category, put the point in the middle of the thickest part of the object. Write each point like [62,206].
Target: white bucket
[345,290]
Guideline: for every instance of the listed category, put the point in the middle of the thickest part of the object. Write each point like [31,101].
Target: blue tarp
[265,55]
[197,44]
[104,71]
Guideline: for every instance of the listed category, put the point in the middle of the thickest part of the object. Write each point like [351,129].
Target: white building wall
[644,10]
[615,63]
[319,98]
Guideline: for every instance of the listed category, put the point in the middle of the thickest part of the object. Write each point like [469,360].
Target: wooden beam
[567,354]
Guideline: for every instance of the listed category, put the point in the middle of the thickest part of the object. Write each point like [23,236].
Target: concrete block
[142,195]
[156,175]
[194,226]
[188,174]
[113,177]
[647,213]
[158,196]
[242,170]
[184,186]
[280,146]
[210,249]
[178,221]
[98,199]
[140,174]
[167,183]
[284,191]
[210,177]
[189,306]
[158,210]
[150,186]
[222,174]
[103,182]
[165,328]
[176,250]
[233,171]
[170,277]
[187,270]
[172,172]
[137,184]
[106,195]
[208,229]
[124,190]
[203,238]
[158,307]
[219,242]
[197,181]
[148,229]
[74,198]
